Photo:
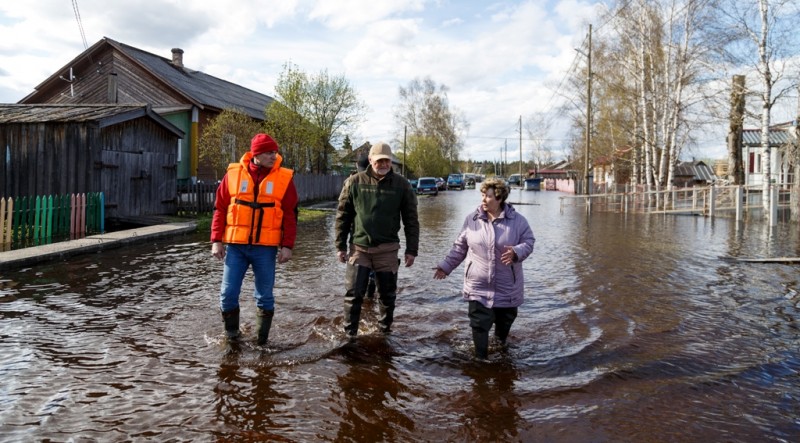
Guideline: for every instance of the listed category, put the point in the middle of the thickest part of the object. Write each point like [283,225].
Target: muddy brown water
[635,328]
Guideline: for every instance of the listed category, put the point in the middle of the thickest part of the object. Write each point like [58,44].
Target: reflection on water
[635,328]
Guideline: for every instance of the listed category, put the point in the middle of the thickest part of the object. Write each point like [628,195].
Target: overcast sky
[500,60]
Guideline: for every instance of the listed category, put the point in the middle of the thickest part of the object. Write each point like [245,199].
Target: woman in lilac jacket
[494,241]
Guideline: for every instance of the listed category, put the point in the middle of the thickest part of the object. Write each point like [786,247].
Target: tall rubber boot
[356,279]
[387,296]
[263,324]
[480,339]
[504,318]
[371,286]
[231,321]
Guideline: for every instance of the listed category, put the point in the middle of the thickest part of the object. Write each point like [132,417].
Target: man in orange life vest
[254,224]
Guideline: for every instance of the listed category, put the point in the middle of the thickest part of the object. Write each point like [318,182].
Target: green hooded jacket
[372,209]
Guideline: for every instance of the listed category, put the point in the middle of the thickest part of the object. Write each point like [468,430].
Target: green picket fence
[40,220]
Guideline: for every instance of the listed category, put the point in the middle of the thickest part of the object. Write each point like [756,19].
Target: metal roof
[698,170]
[777,137]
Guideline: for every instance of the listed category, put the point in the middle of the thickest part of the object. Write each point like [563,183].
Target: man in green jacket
[372,204]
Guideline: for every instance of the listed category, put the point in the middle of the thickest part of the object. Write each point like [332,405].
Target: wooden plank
[770,260]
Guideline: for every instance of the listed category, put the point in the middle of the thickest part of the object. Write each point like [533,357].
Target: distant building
[693,173]
[781,137]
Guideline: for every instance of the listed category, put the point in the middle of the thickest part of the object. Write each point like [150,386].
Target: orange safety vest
[254,213]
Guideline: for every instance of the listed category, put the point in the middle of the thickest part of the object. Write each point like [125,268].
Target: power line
[80,25]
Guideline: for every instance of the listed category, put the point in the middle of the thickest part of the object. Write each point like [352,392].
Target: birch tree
[761,38]
[656,52]
[310,113]
[424,111]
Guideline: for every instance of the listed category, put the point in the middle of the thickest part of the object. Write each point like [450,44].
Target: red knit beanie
[262,143]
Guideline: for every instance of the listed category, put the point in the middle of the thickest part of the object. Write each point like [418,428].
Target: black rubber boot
[504,318]
[356,280]
[263,324]
[387,295]
[231,321]
[480,339]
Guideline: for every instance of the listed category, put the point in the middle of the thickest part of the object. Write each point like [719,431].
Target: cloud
[496,58]
[345,14]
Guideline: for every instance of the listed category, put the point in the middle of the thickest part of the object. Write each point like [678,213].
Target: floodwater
[635,328]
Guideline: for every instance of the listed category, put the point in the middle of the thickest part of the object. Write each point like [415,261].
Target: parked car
[455,181]
[427,185]
[413,183]
[441,184]
[515,180]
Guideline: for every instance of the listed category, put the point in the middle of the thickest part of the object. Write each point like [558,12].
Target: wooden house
[693,173]
[781,138]
[110,72]
[128,152]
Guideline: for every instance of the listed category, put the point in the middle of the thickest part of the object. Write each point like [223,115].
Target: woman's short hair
[498,185]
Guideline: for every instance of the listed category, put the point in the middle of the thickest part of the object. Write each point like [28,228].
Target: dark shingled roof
[198,86]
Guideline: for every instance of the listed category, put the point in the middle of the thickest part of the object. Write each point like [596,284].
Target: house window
[180,146]
[754,163]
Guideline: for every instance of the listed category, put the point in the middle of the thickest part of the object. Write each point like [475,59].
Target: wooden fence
[39,220]
[198,198]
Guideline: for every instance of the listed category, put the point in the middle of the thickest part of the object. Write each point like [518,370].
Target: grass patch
[306,215]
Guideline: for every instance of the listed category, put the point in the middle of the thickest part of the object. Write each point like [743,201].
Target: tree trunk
[735,163]
[794,202]
[766,97]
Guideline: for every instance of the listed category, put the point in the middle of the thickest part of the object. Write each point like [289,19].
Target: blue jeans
[237,259]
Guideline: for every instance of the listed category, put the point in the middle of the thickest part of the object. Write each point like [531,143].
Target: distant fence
[198,198]
[38,220]
[730,201]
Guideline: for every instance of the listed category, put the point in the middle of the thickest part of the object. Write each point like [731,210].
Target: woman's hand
[509,256]
[439,274]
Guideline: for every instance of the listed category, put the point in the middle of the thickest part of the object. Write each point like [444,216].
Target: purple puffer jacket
[481,243]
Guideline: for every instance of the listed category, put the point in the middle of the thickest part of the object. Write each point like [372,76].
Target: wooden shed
[128,152]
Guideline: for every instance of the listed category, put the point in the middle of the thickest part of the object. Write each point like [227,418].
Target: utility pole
[586,186]
[504,158]
[520,150]
[405,148]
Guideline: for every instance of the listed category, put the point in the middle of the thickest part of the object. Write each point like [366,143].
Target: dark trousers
[481,320]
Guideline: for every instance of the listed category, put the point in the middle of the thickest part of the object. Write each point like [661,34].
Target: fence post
[739,196]
[82,216]
[4,228]
[712,200]
[9,224]
[102,207]
[36,220]
[48,235]
[773,205]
